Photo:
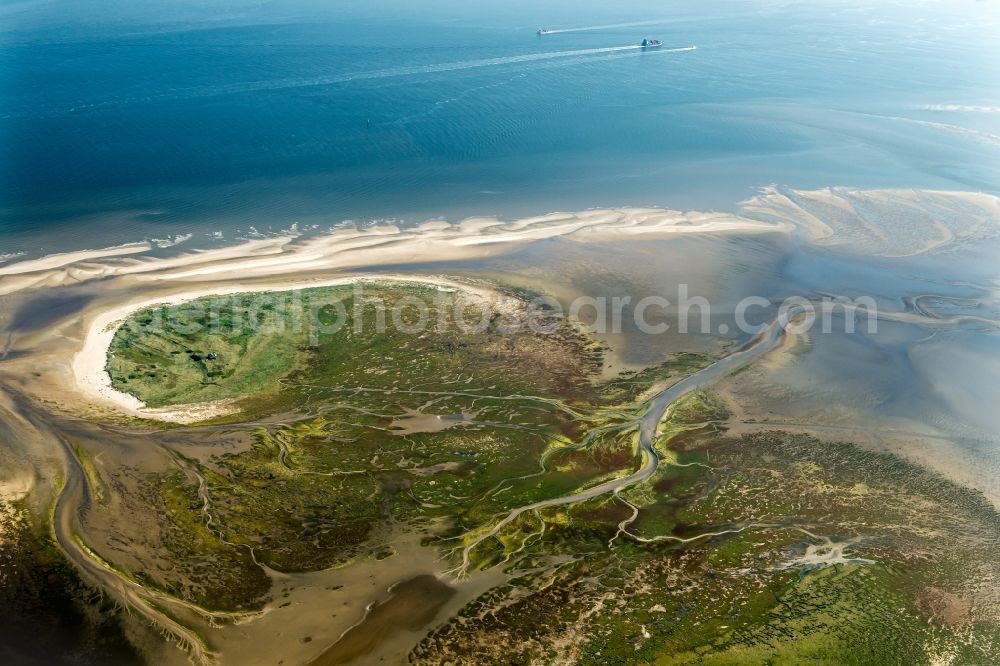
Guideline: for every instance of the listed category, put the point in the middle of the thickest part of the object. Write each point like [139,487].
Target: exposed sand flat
[77,267]
[383,244]
[888,223]
[66,258]
[190,413]
[16,487]
[881,222]
[307,610]
[250,248]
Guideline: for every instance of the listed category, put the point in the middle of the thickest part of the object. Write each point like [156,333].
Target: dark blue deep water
[121,121]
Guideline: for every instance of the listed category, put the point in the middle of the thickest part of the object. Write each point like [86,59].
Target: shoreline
[772,200]
[293,261]
[288,262]
[382,244]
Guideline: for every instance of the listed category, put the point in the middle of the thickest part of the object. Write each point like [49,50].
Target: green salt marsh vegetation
[46,608]
[374,430]
[770,547]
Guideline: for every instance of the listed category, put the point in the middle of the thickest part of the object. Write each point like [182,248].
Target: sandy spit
[66,258]
[350,247]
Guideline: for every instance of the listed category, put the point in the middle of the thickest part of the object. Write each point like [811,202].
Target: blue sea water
[123,121]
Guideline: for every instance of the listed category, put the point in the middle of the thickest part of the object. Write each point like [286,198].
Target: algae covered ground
[765,548]
[47,613]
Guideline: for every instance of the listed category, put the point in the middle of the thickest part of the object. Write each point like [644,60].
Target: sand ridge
[382,244]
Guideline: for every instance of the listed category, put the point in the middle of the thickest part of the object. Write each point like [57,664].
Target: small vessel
[543,31]
[651,42]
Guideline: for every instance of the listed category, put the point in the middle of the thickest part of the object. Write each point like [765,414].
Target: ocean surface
[154,120]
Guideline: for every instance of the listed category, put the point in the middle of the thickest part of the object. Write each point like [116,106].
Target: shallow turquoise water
[122,123]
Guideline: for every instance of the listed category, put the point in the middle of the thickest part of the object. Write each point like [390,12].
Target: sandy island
[288,262]
[90,363]
[64,360]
